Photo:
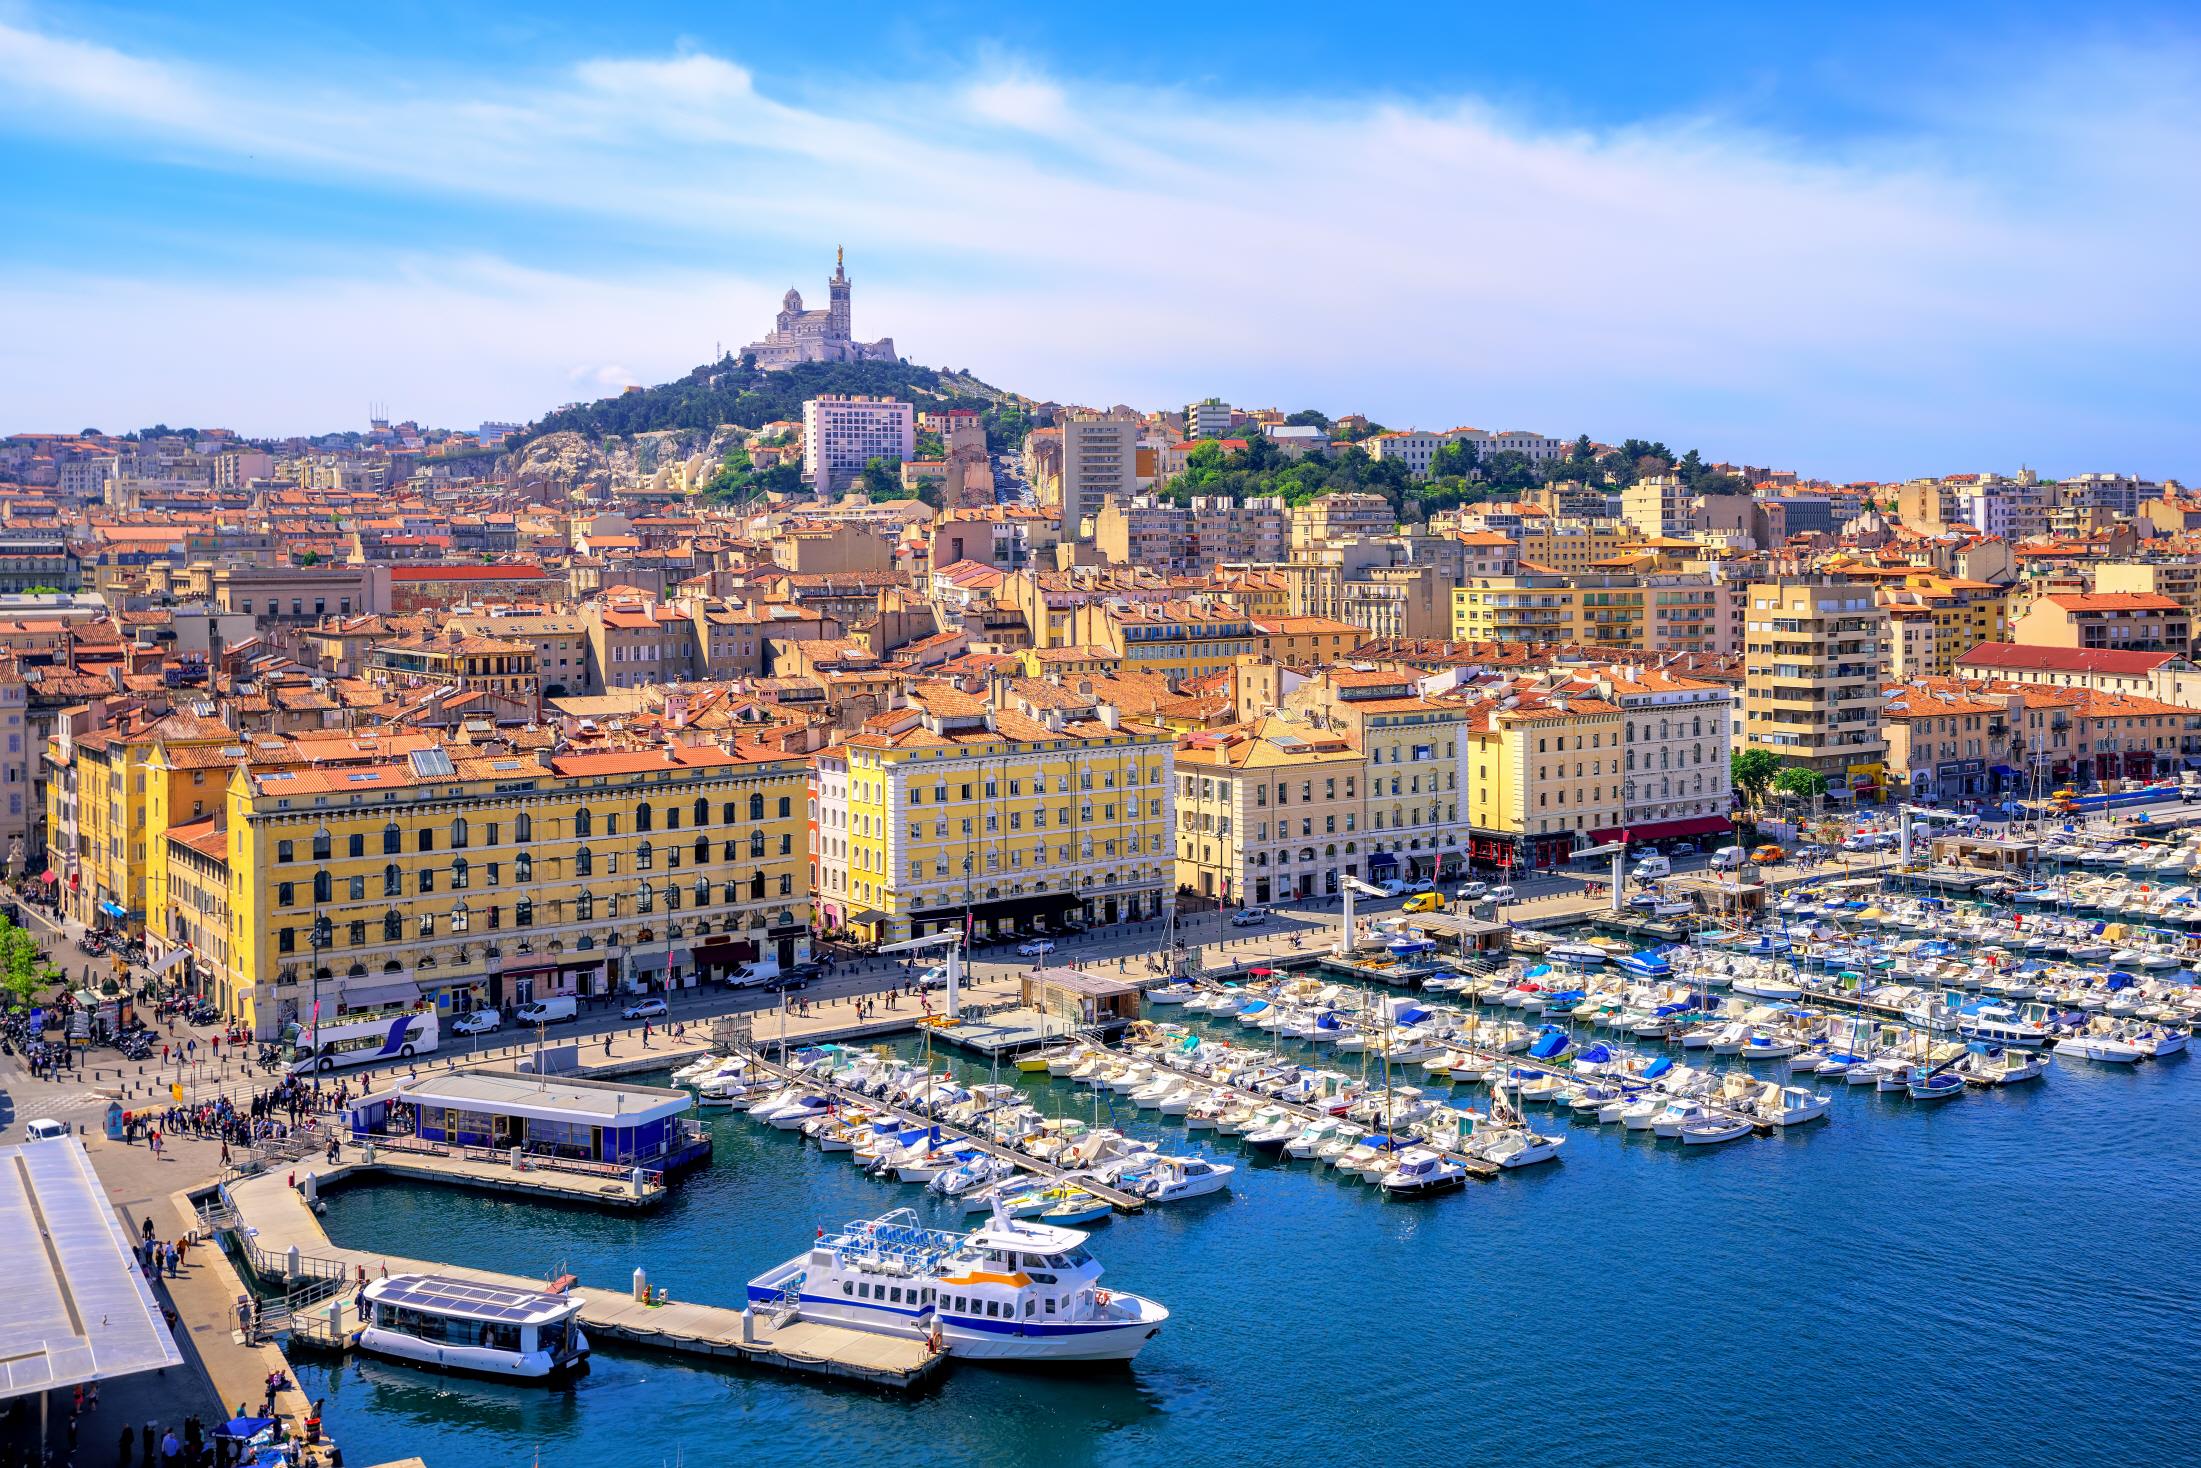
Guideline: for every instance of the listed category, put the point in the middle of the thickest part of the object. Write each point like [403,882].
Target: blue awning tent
[112,909]
[1382,859]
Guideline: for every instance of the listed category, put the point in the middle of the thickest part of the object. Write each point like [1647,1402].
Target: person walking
[124,1447]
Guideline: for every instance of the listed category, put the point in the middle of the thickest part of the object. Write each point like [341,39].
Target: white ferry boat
[1011,1291]
[461,1325]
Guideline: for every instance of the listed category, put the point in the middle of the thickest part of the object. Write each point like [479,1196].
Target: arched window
[672,898]
[645,857]
[321,847]
[702,893]
[462,917]
[324,890]
[756,843]
[523,913]
[393,881]
[584,823]
[702,850]
[702,811]
[523,867]
[756,807]
[393,926]
[584,863]
[523,829]
[645,898]
[459,833]
[461,874]
[584,907]
[645,819]
[390,839]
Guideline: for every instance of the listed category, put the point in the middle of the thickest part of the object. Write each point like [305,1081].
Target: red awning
[50,877]
[1692,826]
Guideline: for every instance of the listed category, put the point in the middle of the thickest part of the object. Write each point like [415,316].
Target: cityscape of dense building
[493,716]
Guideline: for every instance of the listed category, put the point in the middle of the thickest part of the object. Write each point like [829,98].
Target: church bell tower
[837,316]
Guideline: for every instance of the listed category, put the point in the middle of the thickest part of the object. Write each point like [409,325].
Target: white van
[548,1011]
[1727,858]
[759,971]
[43,1130]
[1651,865]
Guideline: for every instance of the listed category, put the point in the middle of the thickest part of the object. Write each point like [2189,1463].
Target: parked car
[1249,917]
[1652,864]
[1727,858]
[1391,887]
[1469,891]
[1503,892]
[44,1130]
[1036,948]
[1425,902]
[1811,853]
[478,1022]
[786,981]
[1421,884]
[653,1007]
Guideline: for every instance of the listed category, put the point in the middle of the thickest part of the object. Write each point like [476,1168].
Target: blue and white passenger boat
[1013,1290]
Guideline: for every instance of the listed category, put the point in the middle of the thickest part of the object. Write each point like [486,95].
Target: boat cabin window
[1034,1261]
[847,1288]
[1029,1309]
[1050,1304]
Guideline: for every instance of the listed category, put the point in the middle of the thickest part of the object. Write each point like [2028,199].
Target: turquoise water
[2004,1278]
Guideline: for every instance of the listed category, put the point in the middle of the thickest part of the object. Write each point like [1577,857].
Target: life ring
[1100,1297]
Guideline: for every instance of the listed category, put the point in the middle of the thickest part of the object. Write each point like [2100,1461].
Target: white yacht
[1421,1172]
[461,1325]
[1010,1291]
[1172,1178]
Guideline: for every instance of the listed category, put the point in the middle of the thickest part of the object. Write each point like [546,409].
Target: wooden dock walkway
[1121,1201]
[272,1219]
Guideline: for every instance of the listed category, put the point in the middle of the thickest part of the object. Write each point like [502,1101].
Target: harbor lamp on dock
[953,942]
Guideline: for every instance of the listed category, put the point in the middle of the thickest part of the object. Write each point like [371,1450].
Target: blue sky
[1865,241]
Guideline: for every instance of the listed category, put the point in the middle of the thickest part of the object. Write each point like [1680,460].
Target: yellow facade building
[498,880]
[956,811]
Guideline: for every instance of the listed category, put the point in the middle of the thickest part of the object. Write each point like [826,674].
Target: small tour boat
[463,1325]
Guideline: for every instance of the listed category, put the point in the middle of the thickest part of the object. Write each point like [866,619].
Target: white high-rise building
[841,434]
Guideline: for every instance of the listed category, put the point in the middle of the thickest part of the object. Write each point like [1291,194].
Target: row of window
[460,918]
[523,828]
[523,869]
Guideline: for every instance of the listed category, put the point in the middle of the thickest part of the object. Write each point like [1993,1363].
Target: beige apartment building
[1333,518]
[1413,750]
[1269,811]
[2178,580]
[1815,654]
[1100,459]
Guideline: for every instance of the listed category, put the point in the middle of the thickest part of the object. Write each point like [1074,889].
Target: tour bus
[359,1039]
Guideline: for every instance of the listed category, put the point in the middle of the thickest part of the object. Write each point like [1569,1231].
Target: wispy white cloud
[1951,292]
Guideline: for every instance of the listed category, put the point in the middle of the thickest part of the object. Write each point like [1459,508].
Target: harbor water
[2006,1278]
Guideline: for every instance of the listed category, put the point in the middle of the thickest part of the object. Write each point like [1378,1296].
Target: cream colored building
[1269,811]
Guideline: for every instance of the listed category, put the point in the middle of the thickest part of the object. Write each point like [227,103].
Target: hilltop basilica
[817,336]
